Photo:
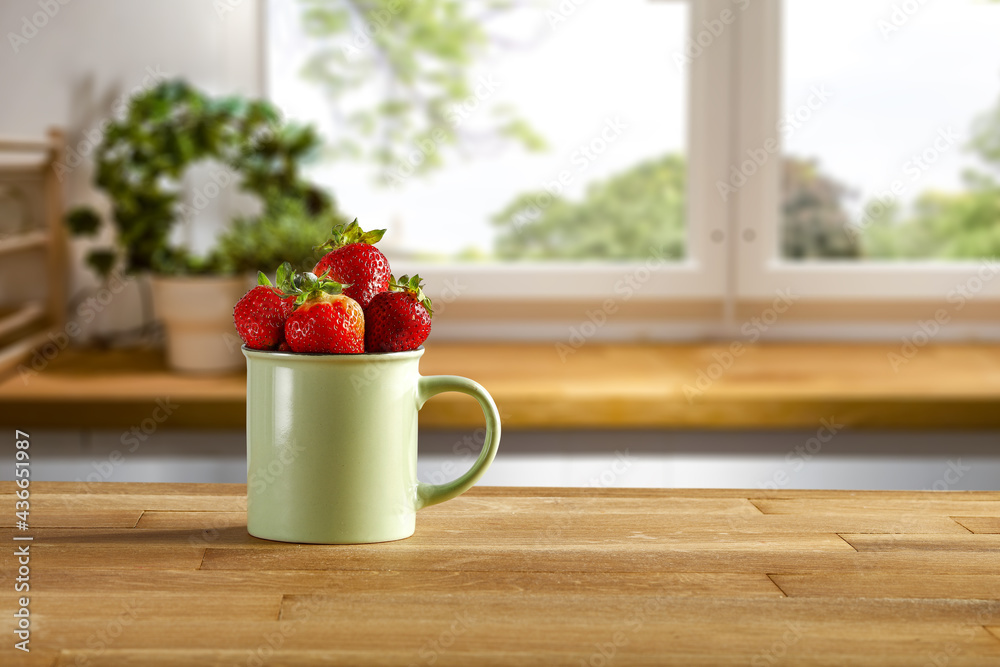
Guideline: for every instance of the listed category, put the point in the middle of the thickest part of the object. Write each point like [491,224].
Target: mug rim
[249,353]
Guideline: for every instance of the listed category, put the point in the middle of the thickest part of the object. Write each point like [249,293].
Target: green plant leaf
[83,221]
[102,261]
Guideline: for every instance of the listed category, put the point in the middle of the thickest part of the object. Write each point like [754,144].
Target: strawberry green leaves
[284,275]
[303,286]
[343,235]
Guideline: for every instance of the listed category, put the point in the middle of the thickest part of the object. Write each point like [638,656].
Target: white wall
[89,53]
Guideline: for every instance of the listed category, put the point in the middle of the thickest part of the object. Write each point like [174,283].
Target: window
[727,150]
[561,166]
[894,156]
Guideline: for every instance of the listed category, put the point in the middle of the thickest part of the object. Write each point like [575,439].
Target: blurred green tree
[814,222]
[630,215]
[403,78]
[947,225]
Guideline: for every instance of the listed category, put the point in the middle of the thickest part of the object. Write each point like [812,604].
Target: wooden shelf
[24,317]
[28,326]
[14,354]
[20,165]
[17,145]
[24,241]
[598,386]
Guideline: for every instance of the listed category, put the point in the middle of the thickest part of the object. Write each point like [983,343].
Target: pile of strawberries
[349,304]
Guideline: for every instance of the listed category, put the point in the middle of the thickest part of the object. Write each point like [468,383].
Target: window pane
[891,129]
[568,144]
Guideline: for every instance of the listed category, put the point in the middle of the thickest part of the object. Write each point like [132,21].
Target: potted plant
[285,231]
[139,166]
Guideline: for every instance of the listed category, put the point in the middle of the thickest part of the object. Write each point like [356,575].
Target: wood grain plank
[121,556]
[628,535]
[194,538]
[152,503]
[591,505]
[192,521]
[337,657]
[980,524]
[111,604]
[536,510]
[752,553]
[893,585]
[38,657]
[585,560]
[616,609]
[49,517]
[878,514]
[738,635]
[984,543]
[229,528]
[579,527]
[901,506]
[187,492]
[411,583]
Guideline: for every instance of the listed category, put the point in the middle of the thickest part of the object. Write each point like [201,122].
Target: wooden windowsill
[598,386]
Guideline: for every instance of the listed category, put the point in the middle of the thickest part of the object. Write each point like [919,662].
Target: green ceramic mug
[332,445]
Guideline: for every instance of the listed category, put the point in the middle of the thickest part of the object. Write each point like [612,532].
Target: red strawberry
[324,320]
[399,319]
[260,315]
[354,261]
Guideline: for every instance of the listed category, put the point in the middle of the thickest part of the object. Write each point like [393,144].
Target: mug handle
[432,385]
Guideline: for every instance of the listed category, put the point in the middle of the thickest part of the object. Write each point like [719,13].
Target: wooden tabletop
[594,386]
[161,574]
